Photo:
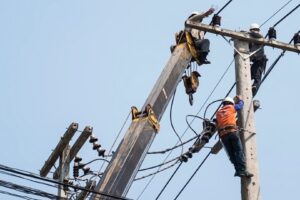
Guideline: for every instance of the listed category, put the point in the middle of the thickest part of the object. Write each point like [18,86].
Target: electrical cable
[287,15]
[144,169]
[275,62]
[32,175]
[28,190]
[158,171]
[193,175]
[168,181]
[16,195]
[189,125]
[171,121]
[11,174]
[275,13]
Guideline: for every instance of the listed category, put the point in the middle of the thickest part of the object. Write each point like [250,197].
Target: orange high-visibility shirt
[226,117]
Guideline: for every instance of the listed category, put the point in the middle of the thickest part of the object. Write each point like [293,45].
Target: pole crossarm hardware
[76,147]
[132,150]
[243,36]
[59,149]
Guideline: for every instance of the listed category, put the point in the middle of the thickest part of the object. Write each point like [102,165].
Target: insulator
[272,33]
[93,139]
[75,170]
[77,159]
[86,170]
[81,165]
[65,187]
[296,39]
[101,152]
[216,20]
[96,145]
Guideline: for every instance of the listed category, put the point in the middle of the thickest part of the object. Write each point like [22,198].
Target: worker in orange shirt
[228,132]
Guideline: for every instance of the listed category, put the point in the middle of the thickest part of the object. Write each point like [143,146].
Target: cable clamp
[148,114]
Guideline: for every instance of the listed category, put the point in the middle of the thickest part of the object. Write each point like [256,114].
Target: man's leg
[239,157]
[202,47]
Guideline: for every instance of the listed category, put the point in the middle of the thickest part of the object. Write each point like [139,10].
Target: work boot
[203,59]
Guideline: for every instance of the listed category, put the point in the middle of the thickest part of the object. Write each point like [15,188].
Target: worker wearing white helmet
[201,44]
[228,132]
[258,59]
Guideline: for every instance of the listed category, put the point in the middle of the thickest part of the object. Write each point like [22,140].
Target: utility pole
[131,152]
[65,153]
[250,188]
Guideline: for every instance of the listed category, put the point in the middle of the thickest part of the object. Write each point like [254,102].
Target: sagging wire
[158,171]
[155,166]
[32,175]
[189,125]
[171,121]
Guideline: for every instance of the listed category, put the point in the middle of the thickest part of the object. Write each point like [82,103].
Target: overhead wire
[193,175]
[276,12]
[32,175]
[158,171]
[171,121]
[17,195]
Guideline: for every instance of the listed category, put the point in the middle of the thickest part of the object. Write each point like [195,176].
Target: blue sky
[90,61]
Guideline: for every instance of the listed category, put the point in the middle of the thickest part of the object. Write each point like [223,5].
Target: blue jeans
[234,148]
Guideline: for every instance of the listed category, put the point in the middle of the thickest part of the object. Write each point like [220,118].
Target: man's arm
[239,103]
[198,18]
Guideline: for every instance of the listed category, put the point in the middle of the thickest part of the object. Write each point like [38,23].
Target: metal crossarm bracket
[148,114]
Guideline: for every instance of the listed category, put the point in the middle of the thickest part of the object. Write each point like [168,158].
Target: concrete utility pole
[250,188]
[126,161]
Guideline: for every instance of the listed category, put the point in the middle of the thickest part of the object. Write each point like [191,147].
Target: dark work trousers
[234,149]
[257,69]
[202,45]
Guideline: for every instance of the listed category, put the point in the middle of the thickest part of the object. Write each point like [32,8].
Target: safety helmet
[194,13]
[228,99]
[254,26]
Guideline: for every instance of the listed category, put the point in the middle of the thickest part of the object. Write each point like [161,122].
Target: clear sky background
[90,61]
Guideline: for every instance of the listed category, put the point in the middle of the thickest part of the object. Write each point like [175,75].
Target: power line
[5,168]
[28,190]
[276,12]
[193,175]
[161,191]
[171,121]
[16,195]
[287,15]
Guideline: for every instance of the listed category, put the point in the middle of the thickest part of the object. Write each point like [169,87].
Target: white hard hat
[254,26]
[193,14]
[228,99]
